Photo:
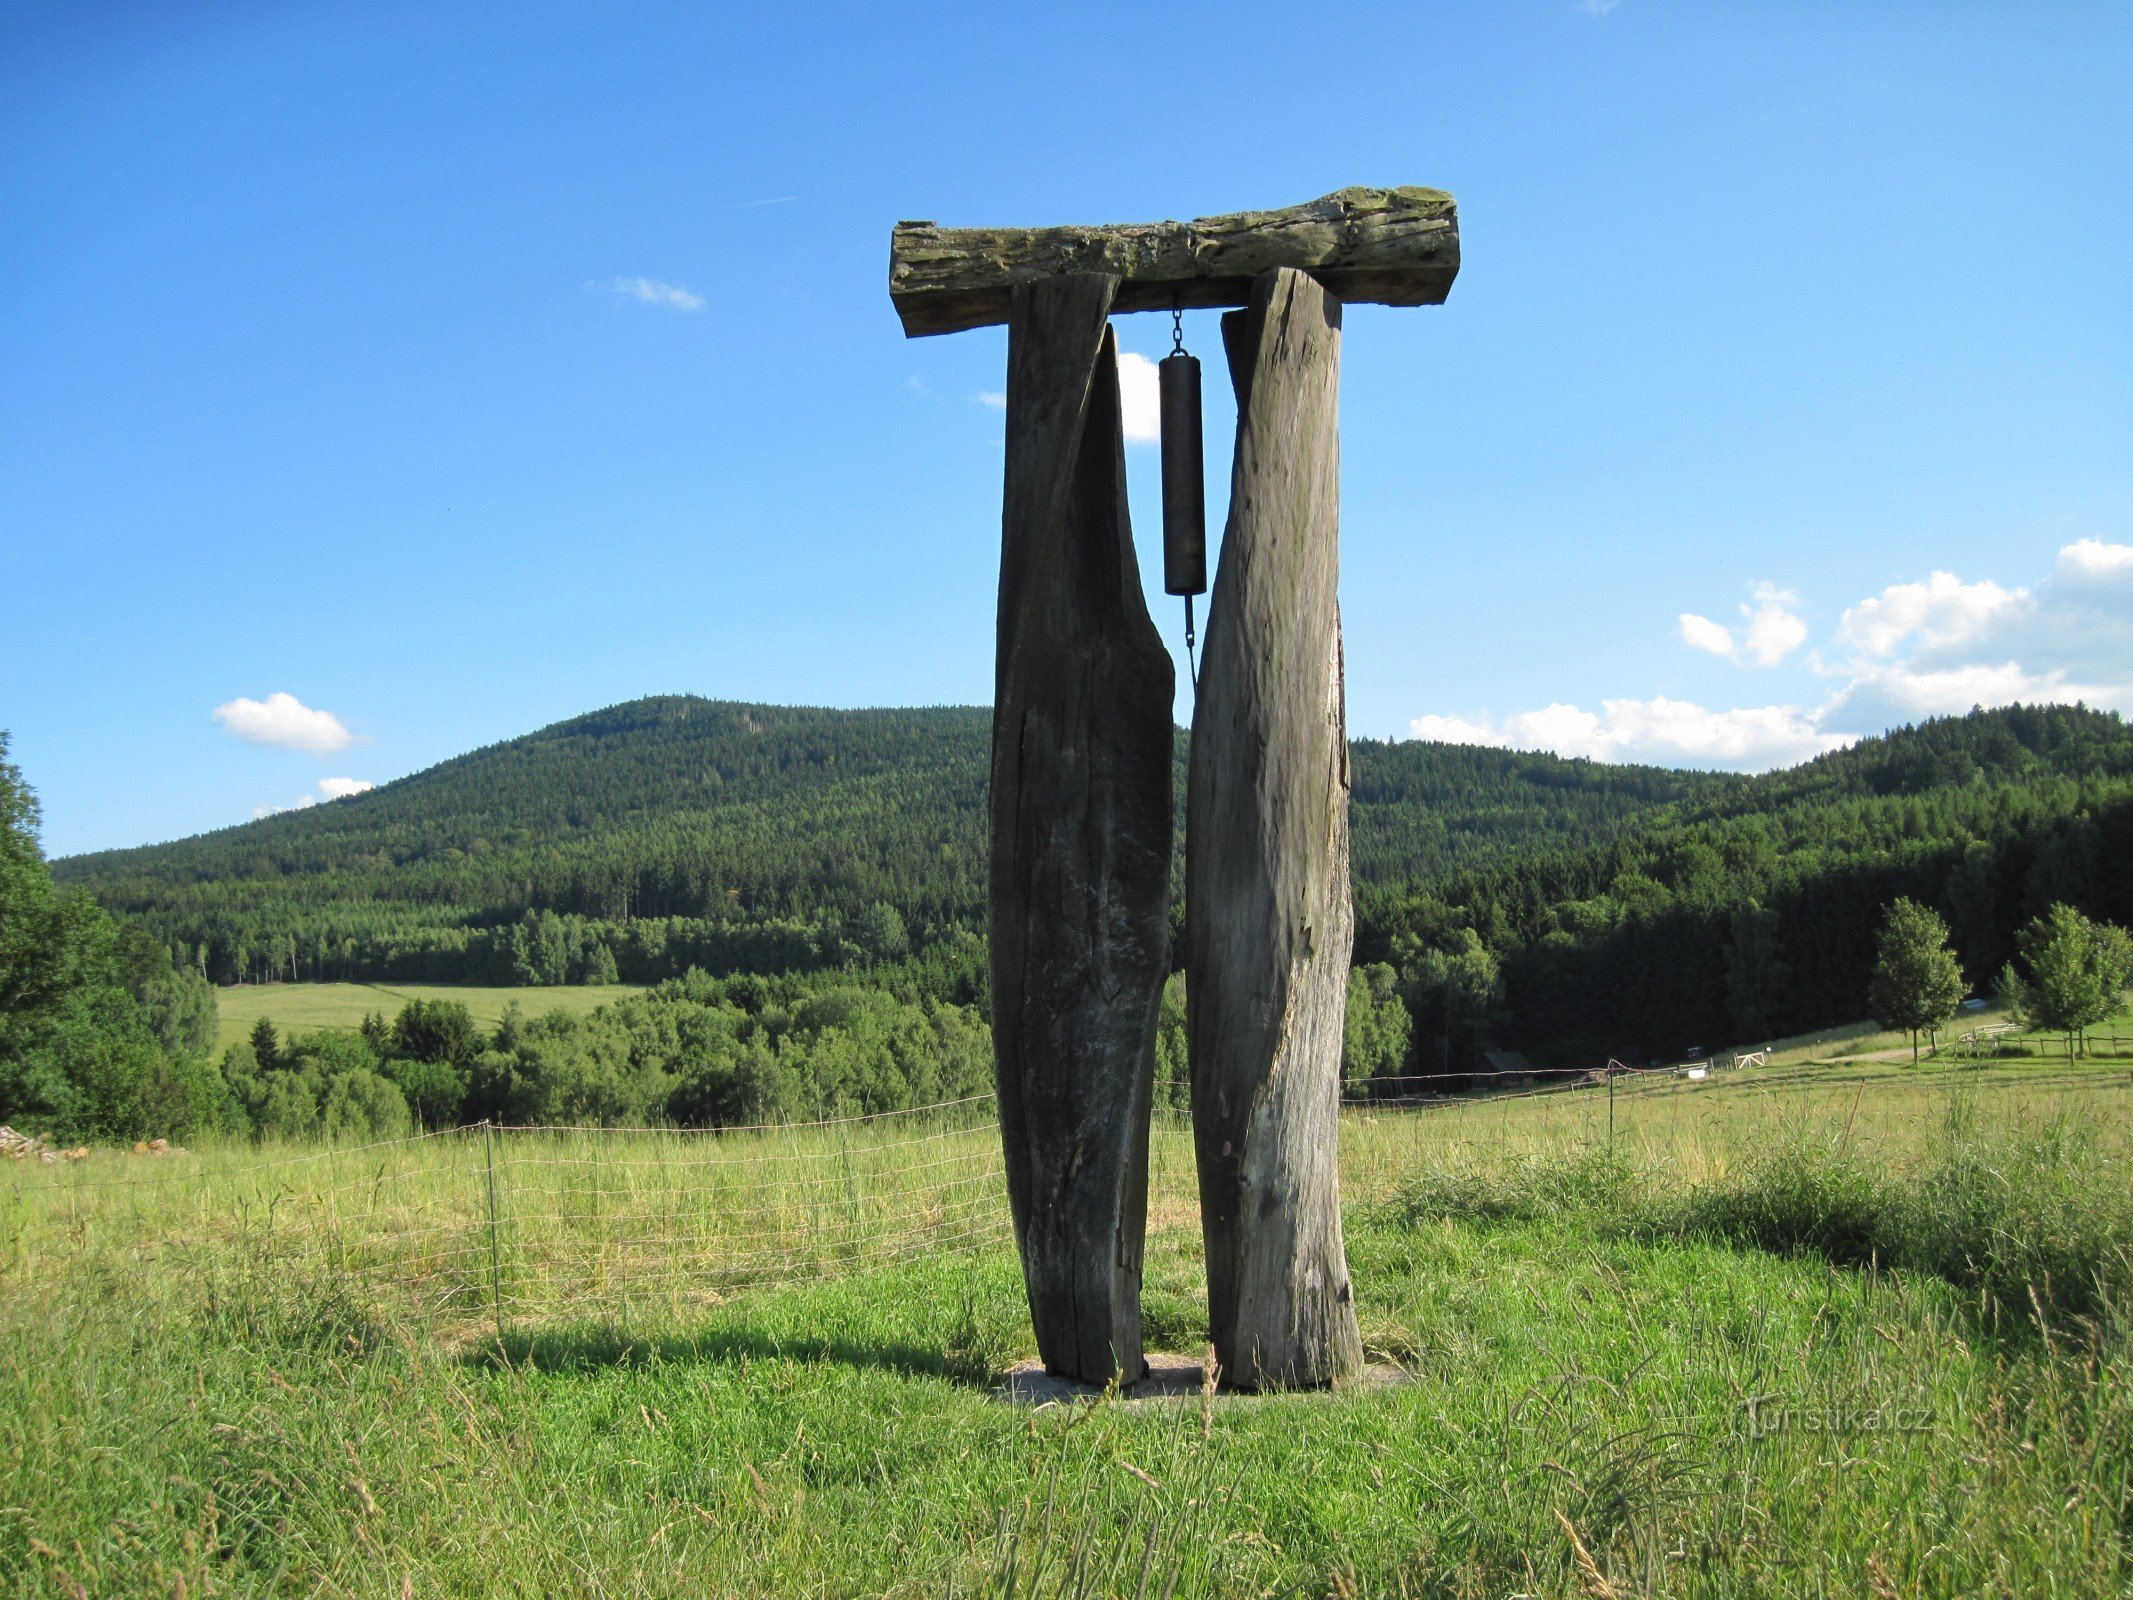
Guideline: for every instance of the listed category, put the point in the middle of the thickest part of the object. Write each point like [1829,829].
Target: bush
[433,1090]
[436,1030]
[361,1105]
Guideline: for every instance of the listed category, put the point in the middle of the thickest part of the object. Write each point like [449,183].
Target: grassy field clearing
[1845,1331]
[301,1007]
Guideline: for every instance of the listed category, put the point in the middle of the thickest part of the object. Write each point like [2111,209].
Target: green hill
[1752,910]
[675,831]
[1569,908]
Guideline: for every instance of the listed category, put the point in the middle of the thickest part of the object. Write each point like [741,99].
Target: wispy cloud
[285,722]
[996,402]
[654,292]
[775,200]
[1931,647]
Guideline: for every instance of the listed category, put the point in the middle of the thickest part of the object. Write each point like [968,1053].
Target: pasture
[1833,1330]
[303,1007]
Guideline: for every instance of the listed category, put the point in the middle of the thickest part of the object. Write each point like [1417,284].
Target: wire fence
[485,1227]
[489,1225]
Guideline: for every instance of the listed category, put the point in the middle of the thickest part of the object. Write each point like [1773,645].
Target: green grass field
[301,1007]
[1834,1331]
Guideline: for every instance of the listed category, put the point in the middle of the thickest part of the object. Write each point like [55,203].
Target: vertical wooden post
[1269,923]
[1081,836]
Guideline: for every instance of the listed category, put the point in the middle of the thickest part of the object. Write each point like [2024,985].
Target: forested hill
[1753,910]
[1566,908]
[669,832]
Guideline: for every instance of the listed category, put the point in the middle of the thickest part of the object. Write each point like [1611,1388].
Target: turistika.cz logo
[1766,1414]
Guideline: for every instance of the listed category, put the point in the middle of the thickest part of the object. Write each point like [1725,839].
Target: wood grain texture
[1081,836]
[1269,923]
[1398,247]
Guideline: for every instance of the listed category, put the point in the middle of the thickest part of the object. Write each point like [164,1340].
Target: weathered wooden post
[1081,834]
[1268,919]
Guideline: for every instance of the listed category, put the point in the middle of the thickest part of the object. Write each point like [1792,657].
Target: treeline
[1716,923]
[1566,909]
[694,1052]
[100,1037]
[668,834]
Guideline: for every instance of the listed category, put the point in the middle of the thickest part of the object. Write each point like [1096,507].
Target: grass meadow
[1837,1330]
[303,1007]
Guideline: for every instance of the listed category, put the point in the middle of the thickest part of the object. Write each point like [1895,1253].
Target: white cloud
[1934,647]
[2093,559]
[652,292]
[1943,646]
[1670,732]
[995,402]
[1772,631]
[1456,730]
[1937,613]
[1139,398]
[328,789]
[1701,633]
[286,722]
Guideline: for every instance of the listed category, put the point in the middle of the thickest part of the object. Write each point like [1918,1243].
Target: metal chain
[1177,348]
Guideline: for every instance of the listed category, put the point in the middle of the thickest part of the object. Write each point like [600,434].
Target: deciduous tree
[1917,981]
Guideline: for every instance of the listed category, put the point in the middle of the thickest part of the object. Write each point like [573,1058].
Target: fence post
[496,1274]
[851,1185]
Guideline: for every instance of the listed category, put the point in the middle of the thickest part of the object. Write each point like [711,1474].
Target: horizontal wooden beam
[1396,247]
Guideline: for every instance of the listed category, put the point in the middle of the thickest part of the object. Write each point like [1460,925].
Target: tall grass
[2038,1223]
[1676,1368]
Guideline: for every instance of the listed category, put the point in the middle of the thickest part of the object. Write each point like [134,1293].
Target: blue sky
[381,381]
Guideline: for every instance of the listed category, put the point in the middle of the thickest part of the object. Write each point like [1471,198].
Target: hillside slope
[1737,913]
[1567,908]
[675,830]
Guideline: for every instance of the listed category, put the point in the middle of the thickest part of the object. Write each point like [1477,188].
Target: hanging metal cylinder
[1184,480]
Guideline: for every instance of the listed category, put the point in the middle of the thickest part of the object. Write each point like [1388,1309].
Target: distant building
[1510,1067]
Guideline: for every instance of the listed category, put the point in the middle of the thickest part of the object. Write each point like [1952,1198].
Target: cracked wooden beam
[1395,247]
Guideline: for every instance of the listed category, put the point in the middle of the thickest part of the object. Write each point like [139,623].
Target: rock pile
[24,1147]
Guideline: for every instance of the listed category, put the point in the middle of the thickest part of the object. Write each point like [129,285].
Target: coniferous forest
[1566,908]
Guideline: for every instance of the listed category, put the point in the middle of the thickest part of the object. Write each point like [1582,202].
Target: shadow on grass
[599,1347]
